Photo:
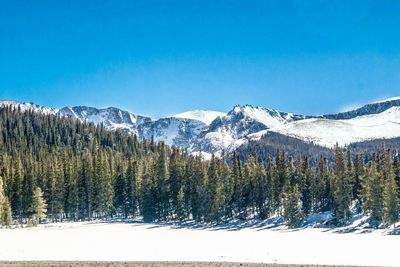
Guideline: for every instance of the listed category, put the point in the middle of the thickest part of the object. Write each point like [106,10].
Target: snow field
[86,241]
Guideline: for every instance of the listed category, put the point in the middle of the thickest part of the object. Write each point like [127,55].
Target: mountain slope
[227,132]
[373,108]
[173,131]
[327,132]
[111,118]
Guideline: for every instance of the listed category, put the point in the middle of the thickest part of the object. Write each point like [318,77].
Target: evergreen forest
[55,169]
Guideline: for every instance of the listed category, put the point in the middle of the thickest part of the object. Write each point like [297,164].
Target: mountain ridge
[215,132]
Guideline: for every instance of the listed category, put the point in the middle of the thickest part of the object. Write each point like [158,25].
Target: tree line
[61,169]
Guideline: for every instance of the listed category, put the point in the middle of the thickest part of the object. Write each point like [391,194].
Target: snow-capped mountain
[111,118]
[328,132]
[176,130]
[214,132]
[227,132]
[25,106]
[373,108]
[379,120]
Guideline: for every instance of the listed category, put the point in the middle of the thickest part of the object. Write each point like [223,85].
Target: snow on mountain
[173,131]
[179,132]
[373,108]
[205,116]
[388,99]
[269,117]
[227,132]
[326,132]
[111,118]
[26,106]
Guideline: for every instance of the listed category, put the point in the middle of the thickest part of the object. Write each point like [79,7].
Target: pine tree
[5,170]
[148,192]
[306,187]
[84,186]
[102,189]
[342,193]
[385,162]
[358,176]
[293,211]
[227,185]
[27,190]
[180,205]
[131,188]
[350,170]
[323,187]
[279,180]
[16,196]
[5,208]
[54,189]
[70,190]
[374,194]
[261,191]
[120,197]
[391,200]
[396,169]
[39,206]
[2,196]
[162,174]
[249,183]
[198,177]
[236,177]
[6,213]
[214,192]
[269,169]
[58,193]
[176,170]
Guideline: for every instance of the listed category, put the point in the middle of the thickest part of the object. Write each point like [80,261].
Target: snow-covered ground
[151,242]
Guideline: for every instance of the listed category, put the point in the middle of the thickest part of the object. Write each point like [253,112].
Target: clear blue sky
[162,57]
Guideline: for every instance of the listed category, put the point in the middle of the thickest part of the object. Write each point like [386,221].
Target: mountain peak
[247,107]
[266,116]
[205,116]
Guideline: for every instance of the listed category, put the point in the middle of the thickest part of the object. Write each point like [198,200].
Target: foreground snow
[150,242]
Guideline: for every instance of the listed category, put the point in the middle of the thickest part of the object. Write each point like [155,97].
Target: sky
[158,58]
